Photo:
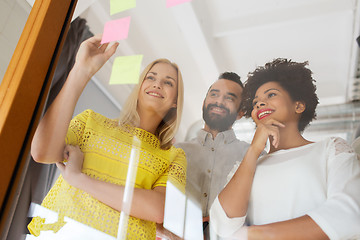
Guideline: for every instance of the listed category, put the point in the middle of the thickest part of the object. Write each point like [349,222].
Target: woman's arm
[301,228]
[234,197]
[165,234]
[146,204]
[49,139]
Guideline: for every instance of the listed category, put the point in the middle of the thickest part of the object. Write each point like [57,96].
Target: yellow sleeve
[176,172]
[76,128]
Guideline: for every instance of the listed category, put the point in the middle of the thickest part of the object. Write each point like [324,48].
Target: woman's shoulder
[336,148]
[177,149]
[340,145]
[177,152]
[333,142]
[91,115]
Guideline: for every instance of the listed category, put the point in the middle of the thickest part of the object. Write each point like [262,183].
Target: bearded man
[211,155]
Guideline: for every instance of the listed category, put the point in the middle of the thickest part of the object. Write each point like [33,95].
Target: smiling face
[273,101]
[221,105]
[158,92]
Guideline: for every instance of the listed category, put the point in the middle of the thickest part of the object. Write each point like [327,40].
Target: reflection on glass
[175,206]
[71,230]
[129,190]
[183,215]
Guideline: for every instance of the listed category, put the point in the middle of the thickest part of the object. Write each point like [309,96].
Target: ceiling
[207,37]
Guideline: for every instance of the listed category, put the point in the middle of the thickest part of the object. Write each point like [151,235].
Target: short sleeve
[176,172]
[339,216]
[76,128]
[221,224]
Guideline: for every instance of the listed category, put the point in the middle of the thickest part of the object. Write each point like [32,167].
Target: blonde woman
[91,186]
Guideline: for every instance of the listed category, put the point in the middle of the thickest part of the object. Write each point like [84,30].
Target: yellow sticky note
[126,70]
[117,6]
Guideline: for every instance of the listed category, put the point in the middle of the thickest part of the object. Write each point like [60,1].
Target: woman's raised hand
[92,55]
[264,131]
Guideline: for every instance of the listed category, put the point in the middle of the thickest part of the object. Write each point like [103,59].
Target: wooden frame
[23,93]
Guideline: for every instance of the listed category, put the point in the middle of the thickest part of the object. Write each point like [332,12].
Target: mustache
[216,105]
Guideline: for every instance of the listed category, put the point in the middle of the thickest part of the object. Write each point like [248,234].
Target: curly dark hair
[294,77]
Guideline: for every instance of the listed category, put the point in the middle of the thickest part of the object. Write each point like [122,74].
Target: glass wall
[204,40]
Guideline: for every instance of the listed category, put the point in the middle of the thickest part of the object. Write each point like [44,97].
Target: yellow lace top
[106,149]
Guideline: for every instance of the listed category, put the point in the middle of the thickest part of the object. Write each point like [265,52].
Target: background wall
[13,16]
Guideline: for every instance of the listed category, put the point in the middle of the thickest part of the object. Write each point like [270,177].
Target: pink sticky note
[116,30]
[171,3]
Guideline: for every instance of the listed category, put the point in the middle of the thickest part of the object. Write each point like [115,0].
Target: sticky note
[126,70]
[171,3]
[117,6]
[115,30]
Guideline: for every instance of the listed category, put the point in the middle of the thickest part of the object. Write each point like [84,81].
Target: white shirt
[320,179]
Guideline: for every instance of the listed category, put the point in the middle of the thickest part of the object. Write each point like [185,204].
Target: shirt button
[209,171]
[225,142]
[212,149]
[205,194]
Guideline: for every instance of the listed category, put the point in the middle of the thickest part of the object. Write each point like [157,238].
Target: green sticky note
[117,6]
[126,70]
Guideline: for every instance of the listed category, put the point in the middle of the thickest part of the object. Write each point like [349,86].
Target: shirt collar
[226,137]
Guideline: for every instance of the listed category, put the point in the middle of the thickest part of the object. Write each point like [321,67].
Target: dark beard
[217,122]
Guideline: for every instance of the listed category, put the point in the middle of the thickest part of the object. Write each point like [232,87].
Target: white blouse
[321,180]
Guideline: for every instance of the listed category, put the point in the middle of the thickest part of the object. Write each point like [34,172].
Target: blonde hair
[170,123]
